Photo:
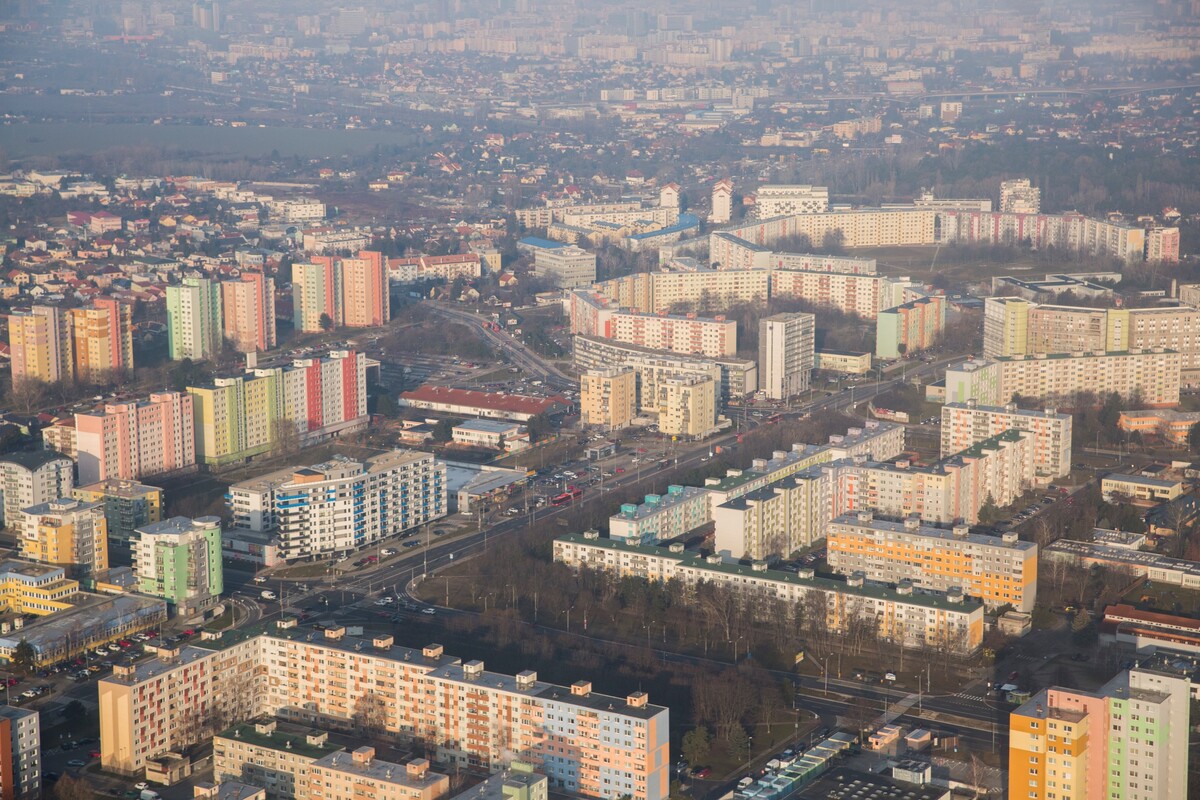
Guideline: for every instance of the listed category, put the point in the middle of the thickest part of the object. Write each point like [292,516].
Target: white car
[387,551]
[428,610]
[260,578]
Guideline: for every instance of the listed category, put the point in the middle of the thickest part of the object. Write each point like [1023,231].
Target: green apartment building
[179,560]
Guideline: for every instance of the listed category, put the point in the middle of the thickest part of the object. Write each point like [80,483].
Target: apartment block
[137,438]
[360,774]
[585,743]
[179,560]
[278,756]
[194,319]
[608,397]
[30,478]
[1151,375]
[1121,741]
[900,615]
[778,519]
[999,570]
[565,267]
[688,405]
[20,753]
[786,353]
[444,268]
[67,533]
[101,339]
[737,377]
[782,200]
[722,202]
[39,344]
[661,516]
[241,417]
[350,291]
[910,327]
[248,309]
[689,334]
[342,504]
[965,424]
[864,295]
[128,505]
[1005,326]
[1162,245]
[1019,196]
[60,436]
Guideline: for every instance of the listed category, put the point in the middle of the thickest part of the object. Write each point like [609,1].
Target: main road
[520,355]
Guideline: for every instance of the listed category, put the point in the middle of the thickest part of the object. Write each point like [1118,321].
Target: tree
[69,787]
[285,437]
[24,658]
[696,746]
[326,322]
[1194,439]
[988,512]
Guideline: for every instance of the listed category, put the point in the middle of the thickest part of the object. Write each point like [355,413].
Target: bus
[774,418]
[572,494]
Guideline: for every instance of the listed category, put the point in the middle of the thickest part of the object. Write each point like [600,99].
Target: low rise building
[490,434]
[947,621]
[1148,632]
[1151,566]
[1139,488]
[1164,424]
[489,405]
[849,362]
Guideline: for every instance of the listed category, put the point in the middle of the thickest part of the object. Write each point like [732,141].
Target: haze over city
[514,399]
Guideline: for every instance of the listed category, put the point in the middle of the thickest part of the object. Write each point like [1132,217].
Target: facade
[565,267]
[1019,196]
[722,202]
[101,339]
[490,434]
[998,570]
[1139,488]
[248,308]
[964,424]
[1152,375]
[20,754]
[60,436]
[781,200]
[737,377]
[37,589]
[785,354]
[244,416]
[848,362]
[1148,632]
[1165,424]
[360,774]
[661,517]
[1005,326]
[128,505]
[40,345]
[687,405]
[440,268]
[137,438]
[179,560]
[901,616]
[194,319]
[277,756]
[342,504]
[489,405]
[608,397]
[27,479]
[1121,741]
[350,291]
[594,314]
[67,533]
[910,327]
[585,743]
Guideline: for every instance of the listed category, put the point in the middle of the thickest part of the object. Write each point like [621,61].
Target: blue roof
[537,241]
[684,223]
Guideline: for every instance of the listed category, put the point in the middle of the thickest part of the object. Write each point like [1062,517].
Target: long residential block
[137,439]
[900,615]
[999,570]
[585,743]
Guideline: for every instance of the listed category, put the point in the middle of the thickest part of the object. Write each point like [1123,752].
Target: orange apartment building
[999,570]
[585,743]
[248,306]
[101,338]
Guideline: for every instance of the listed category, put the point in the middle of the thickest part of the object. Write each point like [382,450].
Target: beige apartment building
[277,756]
[608,397]
[964,424]
[585,743]
[359,775]
[999,570]
[687,405]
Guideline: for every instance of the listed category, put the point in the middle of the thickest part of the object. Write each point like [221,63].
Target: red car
[13,681]
[620,469]
[703,772]
[94,754]
[372,559]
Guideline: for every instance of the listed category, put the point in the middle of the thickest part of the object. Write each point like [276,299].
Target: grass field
[923,262]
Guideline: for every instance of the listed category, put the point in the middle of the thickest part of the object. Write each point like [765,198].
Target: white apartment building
[343,504]
[786,354]
[785,200]
[1019,196]
[965,424]
[21,750]
[947,621]
[31,478]
[565,267]
[661,516]
[999,570]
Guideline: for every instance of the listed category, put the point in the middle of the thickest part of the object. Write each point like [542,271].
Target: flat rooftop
[930,532]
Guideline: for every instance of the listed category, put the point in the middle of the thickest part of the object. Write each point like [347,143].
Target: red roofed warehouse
[491,405]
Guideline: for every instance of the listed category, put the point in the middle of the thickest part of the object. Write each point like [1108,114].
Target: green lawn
[1165,598]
